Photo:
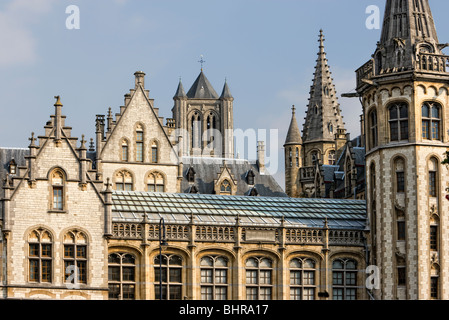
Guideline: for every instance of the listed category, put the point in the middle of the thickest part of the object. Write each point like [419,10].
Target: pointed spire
[226,93]
[293,135]
[323,113]
[408,29]
[202,89]
[180,93]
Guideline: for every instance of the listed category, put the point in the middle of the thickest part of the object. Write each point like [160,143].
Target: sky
[265,49]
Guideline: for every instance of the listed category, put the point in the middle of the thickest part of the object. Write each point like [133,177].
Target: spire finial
[32,139]
[58,101]
[201,61]
[321,41]
[293,109]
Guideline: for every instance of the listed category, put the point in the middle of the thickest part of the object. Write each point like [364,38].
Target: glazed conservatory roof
[215,209]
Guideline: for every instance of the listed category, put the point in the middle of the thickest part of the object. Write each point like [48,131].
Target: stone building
[404,94]
[323,161]
[84,222]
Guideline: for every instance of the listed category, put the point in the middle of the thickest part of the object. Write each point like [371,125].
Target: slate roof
[208,169]
[294,134]
[6,155]
[202,89]
[215,209]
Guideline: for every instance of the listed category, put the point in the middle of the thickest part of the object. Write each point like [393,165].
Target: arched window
[214,278]
[125,150]
[400,175]
[290,157]
[398,122]
[302,279]
[331,157]
[195,130]
[75,257]
[40,256]
[297,157]
[124,181]
[139,143]
[431,119]
[154,152]
[57,185]
[250,177]
[373,137]
[344,279]
[171,277]
[314,157]
[225,187]
[155,182]
[122,276]
[259,278]
[433,178]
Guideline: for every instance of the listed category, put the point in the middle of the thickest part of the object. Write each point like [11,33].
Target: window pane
[69,251]
[435,113]
[175,275]
[206,293]
[404,130]
[34,270]
[426,129]
[337,278]
[393,113]
[206,276]
[82,271]
[433,238]
[295,294]
[81,252]
[251,293]
[401,230]
[128,274]
[34,250]
[351,278]
[265,277]
[337,294]
[432,184]
[114,291]
[154,155]
[57,198]
[265,293]
[425,111]
[221,293]
[157,292]
[46,271]
[251,277]
[157,273]
[139,152]
[435,130]
[400,181]
[351,294]
[221,276]
[175,292]
[114,273]
[403,111]
[309,293]
[394,134]
[295,277]
[129,291]
[309,277]
[351,264]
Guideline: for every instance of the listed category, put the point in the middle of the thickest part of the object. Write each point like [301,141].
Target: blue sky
[266,49]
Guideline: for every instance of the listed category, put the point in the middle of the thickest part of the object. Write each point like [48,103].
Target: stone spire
[293,135]
[226,93]
[323,113]
[408,29]
[180,93]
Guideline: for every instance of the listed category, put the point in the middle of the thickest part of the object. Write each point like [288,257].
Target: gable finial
[32,139]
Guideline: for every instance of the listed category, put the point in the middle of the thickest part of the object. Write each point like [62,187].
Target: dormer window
[225,187]
[191,175]
[12,167]
[250,178]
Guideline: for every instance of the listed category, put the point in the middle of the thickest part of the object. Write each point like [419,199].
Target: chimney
[140,79]
[261,156]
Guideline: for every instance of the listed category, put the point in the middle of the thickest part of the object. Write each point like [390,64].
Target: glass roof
[252,210]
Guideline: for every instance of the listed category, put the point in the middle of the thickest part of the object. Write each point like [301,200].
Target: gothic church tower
[405,96]
[204,119]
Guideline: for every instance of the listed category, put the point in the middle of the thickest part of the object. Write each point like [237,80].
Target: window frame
[259,289]
[39,260]
[428,130]
[213,288]
[121,282]
[302,285]
[76,260]
[345,272]
[166,269]
[398,122]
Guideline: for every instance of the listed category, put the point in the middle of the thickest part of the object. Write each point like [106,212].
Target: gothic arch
[128,248]
[216,251]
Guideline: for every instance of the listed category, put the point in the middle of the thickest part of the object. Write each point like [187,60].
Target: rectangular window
[425,129]
[129,291]
[124,153]
[401,230]
[221,276]
[206,293]
[295,277]
[139,152]
[309,293]
[46,270]
[221,293]
[432,184]
[401,276]
[435,130]
[400,182]
[114,274]
[251,277]
[206,276]
[154,155]
[57,198]
[295,294]
[434,238]
[394,132]
[404,130]
[434,287]
[34,270]
[337,294]
[251,293]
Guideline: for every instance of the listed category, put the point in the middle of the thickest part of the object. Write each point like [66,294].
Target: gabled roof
[202,89]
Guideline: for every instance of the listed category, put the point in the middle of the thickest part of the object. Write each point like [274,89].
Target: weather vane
[202,62]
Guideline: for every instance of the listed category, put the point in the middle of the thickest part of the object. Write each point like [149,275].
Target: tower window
[434,287]
[400,182]
[154,152]
[398,122]
[431,121]
[373,129]
[434,238]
